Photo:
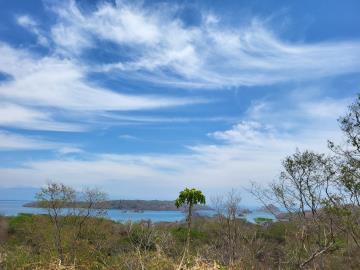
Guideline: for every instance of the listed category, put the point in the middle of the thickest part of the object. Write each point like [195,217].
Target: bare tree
[56,198]
[90,203]
[228,208]
[65,206]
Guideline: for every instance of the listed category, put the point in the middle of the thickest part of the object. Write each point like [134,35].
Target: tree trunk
[187,245]
[189,229]
[59,244]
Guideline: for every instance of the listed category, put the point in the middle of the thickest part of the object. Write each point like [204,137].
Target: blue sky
[143,98]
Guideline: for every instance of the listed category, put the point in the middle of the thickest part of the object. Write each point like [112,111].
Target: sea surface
[13,208]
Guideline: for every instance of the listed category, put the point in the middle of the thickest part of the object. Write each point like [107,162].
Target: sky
[144,98]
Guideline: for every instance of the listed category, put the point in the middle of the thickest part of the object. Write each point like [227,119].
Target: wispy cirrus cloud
[163,49]
[13,142]
[160,48]
[132,44]
[12,115]
[31,25]
[127,137]
[40,85]
[10,141]
[61,83]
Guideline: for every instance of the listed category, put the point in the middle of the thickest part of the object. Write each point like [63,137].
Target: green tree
[190,198]
[305,182]
[346,204]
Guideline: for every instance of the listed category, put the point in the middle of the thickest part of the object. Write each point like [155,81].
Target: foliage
[262,219]
[190,197]
[111,245]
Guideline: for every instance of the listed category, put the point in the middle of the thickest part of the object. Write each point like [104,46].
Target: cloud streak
[60,83]
[31,25]
[14,142]
[162,49]
[40,83]
[12,115]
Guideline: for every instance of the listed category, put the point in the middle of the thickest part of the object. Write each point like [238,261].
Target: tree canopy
[190,197]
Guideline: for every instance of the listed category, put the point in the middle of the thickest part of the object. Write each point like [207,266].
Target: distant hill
[131,205]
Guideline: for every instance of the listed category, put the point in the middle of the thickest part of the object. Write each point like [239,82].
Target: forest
[320,229]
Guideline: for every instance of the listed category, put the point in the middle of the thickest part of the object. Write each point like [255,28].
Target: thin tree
[56,198]
[228,209]
[190,198]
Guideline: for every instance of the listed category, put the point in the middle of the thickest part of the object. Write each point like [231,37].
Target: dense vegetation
[321,228]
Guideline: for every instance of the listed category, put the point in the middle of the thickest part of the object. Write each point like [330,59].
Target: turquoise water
[12,208]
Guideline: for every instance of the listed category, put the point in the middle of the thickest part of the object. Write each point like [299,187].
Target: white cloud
[55,82]
[252,133]
[26,21]
[42,83]
[31,25]
[163,49]
[127,137]
[47,92]
[250,150]
[11,141]
[68,39]
[212,168]
[69,150]
[12,115]
[326,108]
[145,119]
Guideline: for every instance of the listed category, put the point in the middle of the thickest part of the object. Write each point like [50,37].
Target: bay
[15,207]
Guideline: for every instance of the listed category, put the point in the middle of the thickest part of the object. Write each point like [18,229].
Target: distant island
[128,205]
